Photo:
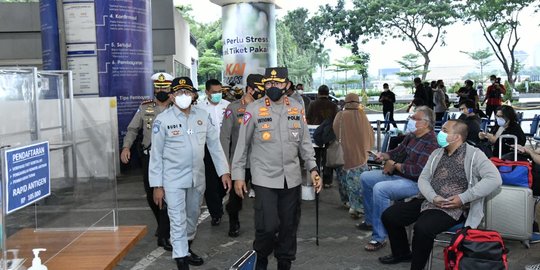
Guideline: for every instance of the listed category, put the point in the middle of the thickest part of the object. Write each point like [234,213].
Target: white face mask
[411,126]
[300,92]
[183,101]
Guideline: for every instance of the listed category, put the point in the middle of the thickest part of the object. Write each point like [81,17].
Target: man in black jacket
[318,111]
[471,118]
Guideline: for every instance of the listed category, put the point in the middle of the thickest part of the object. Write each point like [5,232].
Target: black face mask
[238,96]
[257,94]
[274,93]
[162,96]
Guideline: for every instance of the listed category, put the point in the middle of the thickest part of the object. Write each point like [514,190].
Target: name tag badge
[175,132]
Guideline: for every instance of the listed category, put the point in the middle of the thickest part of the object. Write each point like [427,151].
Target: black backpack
[324,133]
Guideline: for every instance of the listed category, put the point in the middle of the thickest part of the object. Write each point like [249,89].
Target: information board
[27,175]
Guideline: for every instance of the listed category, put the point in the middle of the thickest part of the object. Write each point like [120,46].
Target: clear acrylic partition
[82,135]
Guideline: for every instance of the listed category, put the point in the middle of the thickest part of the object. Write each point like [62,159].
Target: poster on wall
[50,42]
[81,51]
[249,40]
[124,45]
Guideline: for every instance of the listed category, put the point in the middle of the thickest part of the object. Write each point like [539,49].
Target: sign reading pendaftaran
[27,175]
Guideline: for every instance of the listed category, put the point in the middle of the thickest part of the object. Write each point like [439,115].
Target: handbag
[334,152]
[514,173]
[472,249]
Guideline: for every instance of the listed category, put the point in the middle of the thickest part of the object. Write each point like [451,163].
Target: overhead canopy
[278,3]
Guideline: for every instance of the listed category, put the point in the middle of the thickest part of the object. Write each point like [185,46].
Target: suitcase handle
[508,136]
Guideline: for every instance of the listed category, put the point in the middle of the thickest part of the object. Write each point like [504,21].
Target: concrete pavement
[341,244]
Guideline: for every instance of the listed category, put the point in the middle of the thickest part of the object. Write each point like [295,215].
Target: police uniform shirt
[143,118]
[216,111]
[277,134]
[232,120]
[177,153]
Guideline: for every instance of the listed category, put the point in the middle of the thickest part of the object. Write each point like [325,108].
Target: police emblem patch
[199,122]
[175,132]
[247,117]
[265,126]
[228,114]
[266,136]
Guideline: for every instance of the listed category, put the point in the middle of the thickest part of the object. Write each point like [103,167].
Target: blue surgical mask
[216,98]
[411,126]
[441,139]
[500,121]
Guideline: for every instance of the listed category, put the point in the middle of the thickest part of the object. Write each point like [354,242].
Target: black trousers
[428,224]
[234,205]
[214,192]
[162,217]
[276,211]
[491,109]
[320,159]
[390,118]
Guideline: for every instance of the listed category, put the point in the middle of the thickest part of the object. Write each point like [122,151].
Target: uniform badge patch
[266,136]
[295,134]
[228,113]
[265,126]
[175,132]
[247,117]
[240,119]
[199,122]
[292,111]
[264,114]
[263,109]
[242,110]
[296,125]
[156,127]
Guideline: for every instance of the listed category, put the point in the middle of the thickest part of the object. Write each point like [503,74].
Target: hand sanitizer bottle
[36,262]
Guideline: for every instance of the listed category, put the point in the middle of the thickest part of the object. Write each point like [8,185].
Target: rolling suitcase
[510,211]
[246,262]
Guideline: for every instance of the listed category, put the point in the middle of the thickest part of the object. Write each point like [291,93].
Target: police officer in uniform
[144,119]
[229,135]
[274,134]
[179,135]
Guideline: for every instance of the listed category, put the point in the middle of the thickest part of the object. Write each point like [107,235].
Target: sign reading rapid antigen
[249,40]
[27,175]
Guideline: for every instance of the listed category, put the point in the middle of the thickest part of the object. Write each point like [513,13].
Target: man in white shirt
[215,105]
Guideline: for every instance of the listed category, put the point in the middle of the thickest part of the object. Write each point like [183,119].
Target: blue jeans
[378,191]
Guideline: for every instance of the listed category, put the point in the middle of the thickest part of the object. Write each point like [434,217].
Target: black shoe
[364,226]
[390,259]
[215,221]
[234,228]
[164,243]
[194,259]
[182,263]
[284,265]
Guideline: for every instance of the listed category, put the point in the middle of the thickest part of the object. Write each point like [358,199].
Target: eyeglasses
[182,92]
[270,84]
[412,118]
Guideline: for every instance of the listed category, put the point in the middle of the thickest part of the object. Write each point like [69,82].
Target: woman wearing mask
[506,119]
[352,127]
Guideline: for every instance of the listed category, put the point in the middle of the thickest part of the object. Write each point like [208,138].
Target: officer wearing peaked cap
[230,127]
[144,119]
[177,170]
[275,132]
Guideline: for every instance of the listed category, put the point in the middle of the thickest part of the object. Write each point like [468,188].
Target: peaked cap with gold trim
[162,79]
[277,74]
[183,83]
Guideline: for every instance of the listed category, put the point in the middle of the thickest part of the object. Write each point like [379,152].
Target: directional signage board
[27,175]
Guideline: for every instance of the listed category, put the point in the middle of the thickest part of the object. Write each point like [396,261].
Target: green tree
[499,20]
[420,22]
[482,57]
[210,65]
[410,69]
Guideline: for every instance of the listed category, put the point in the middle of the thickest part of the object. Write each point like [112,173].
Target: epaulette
[147,101]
